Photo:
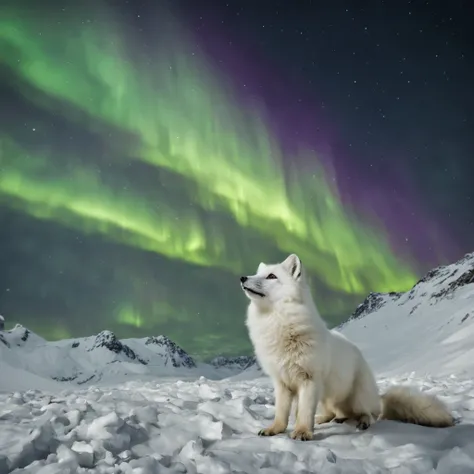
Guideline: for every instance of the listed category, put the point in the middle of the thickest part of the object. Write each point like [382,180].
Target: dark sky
[152,153]
[391,80]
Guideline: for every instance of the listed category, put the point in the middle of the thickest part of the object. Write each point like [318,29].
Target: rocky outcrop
[172,353]
[109,341]
[374,302]
[238,362]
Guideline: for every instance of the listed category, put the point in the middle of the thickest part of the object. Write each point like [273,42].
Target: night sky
[152,152]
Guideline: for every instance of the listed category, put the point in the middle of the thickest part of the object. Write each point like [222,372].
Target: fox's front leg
[283,399]
[308,398]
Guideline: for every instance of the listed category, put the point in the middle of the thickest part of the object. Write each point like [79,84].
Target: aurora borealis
[138,181]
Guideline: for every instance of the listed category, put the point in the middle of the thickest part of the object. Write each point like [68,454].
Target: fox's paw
[302,435]
[270,431]
[363,422]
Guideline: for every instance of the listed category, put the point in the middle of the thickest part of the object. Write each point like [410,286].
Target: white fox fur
[312,365]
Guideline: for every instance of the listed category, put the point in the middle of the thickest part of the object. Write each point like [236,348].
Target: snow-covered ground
[160,416]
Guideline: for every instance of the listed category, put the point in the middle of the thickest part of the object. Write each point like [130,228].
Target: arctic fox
[311,364]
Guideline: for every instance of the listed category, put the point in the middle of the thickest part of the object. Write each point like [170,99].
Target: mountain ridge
[434,320]
[459,274]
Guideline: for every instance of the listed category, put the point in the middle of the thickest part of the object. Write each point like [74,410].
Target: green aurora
[183,189]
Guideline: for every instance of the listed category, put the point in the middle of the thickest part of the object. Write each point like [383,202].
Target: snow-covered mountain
[93,359]
[429,329]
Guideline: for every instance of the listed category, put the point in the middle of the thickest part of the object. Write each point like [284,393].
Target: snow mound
[15,379]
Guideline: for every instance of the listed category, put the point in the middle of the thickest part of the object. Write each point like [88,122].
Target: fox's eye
[271,277]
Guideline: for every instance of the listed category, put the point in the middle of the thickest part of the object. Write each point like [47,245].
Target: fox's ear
[261,266]
[293,266]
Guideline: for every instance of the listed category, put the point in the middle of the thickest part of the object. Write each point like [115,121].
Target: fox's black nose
[243,279]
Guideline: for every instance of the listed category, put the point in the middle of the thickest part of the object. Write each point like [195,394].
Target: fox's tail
[410,406]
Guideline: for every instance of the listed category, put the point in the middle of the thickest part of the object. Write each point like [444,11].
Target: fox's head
[275,282]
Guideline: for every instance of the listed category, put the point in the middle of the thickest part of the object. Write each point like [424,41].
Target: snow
[155,417]
[17,379]
[210,426]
